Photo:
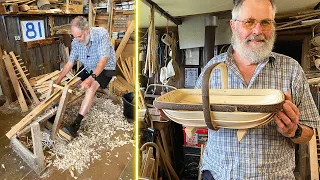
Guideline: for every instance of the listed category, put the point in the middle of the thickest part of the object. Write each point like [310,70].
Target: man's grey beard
[86,40]
[259,53]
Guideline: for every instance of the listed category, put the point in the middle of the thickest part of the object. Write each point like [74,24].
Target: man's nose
[257,29]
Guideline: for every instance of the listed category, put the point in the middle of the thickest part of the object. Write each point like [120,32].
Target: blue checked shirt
[99,47]
[263,153]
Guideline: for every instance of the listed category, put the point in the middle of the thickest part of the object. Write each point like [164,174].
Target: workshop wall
[39,59]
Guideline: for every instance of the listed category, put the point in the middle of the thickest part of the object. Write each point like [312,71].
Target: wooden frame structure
[36,159]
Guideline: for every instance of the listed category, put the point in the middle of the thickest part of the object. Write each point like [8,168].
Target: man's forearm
[100,66]
[67,67]
[306,135]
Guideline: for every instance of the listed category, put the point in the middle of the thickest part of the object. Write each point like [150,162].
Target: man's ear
[232,25]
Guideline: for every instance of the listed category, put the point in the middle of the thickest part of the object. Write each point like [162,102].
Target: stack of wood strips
[63,29]
[41,84]
[30,6]
[151,65]
[126,68]
[297,20]
[13,6]
[147,163]
[18,74]
[123,84]
[102,21]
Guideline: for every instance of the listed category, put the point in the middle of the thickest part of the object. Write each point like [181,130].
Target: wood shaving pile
[104,127]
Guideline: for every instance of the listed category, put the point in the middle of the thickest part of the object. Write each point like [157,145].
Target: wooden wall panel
[3,37]
[13,30]
[31,57]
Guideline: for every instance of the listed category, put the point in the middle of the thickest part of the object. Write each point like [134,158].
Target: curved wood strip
[206,88]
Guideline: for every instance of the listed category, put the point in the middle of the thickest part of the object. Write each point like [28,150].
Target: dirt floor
[113,164]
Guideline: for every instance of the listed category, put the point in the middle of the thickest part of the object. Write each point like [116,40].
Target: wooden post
[61,109]
[37,147]
[36,160]
[50,90]
[314,166]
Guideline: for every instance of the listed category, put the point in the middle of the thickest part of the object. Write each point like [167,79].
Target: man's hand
[86,84]
[57,82]
[288,118]
[162,114]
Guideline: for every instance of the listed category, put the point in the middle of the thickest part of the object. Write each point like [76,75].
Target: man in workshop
[92,47]
[268,151]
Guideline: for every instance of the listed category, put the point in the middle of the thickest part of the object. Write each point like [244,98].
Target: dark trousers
[103,79]
[206,175]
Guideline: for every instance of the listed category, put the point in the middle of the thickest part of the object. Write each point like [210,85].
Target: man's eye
[265,22]
[249,22]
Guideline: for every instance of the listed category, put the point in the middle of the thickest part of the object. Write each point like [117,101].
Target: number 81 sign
[32,30]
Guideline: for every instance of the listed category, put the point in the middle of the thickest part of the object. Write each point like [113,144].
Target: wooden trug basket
[221,108]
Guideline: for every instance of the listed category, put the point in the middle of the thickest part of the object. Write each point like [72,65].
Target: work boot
[74,126]
[72,129]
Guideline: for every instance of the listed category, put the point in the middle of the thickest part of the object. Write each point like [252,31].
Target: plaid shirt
[99,47]
[263,153]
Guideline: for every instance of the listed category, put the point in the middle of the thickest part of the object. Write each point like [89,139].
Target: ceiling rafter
[177,21]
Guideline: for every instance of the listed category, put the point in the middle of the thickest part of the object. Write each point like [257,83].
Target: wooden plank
[125,39]
[15,83]
[145,163]
[24,78]
[314,166]
[125,70]
[128,86]
[51,75]
[61,87]
[37,147]
[13,30]
[60,113]
[25,91]
[37,110]
[47,115]
[148,171]
[43,42]
[111,4]
[4,80]
[62,133]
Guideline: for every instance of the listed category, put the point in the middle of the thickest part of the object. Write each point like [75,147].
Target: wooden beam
[163,12]
[51,75]
[125,39]
[37,147]
[24,78]
[15,83]
[43,42]
[60,113]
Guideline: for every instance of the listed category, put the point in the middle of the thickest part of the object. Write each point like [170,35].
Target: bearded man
[266,152]
[92,47]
